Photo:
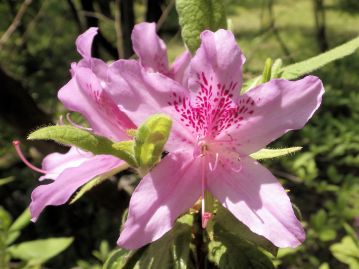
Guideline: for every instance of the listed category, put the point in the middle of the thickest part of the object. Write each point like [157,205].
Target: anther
[16,144]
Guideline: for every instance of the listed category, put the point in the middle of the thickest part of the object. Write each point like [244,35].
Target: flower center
[213,108]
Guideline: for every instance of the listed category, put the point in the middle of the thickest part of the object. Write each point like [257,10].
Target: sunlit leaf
[40,250]
[305,67]
[150,140]
[69,135]
[195,16]
[273,153]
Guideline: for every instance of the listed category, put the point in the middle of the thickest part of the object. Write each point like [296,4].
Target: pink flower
[152,53]
[214,131]
[75,168]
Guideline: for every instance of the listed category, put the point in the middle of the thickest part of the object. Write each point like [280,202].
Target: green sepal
[69,135]
[195,16]
[150,140]
[273,153]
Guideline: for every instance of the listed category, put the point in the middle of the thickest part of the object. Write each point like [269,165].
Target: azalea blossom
[75,168]
[215,129]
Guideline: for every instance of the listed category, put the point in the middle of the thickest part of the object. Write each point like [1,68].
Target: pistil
[16,144]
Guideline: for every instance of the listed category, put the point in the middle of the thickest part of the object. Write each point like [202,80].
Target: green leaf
[226,221]
[117,259]
[150,140]
[20,223]
[171,251]
[6,180]
[297,70]
[273,153]
[267,71]
[195,16]
[347,251]
[5,220]
[305,67]
[69,135]
[40,250]
[97,180]
[228,251]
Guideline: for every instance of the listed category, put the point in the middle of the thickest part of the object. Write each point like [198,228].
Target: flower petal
[84,94]
[55,163]
[140,94]
[180,68]
[256,198]
[84,42]
[167,191]
[217,65]
[272,109]
[59,191]
[149,47]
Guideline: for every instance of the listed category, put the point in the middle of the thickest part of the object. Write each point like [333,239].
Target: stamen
[61,120]
[215,163]
[75,124]
[206,216]
[16,144]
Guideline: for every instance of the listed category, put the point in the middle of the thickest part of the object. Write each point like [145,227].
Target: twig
[118,31]
[15,23]
[164,15]
[96,15]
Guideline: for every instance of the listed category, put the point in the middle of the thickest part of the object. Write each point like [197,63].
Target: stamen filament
[215,163]
[16,144]
[205,216]
[75,124]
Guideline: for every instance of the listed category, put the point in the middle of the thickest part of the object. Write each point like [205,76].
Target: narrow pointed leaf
[87,141]
[267,71]
[305,67]
[150,140]
[6,180]
[273,153]
[20,223]
[195,16]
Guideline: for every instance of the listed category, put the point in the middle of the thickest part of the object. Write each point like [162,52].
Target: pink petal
[59,191]
[141,94]
[166,192]
[149,47]
[56,163]
[272,109]
[217,65]
[84,94]
[84,42]
[256,198]
[180,68]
